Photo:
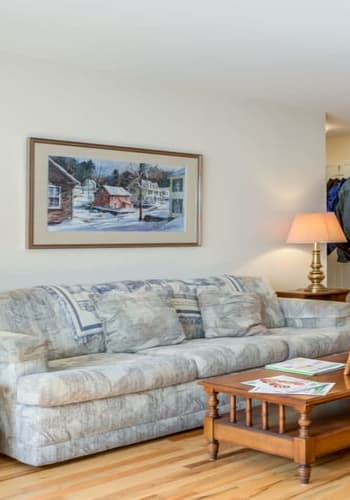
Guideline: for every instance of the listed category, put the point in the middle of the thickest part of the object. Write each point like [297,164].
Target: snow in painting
[87,194]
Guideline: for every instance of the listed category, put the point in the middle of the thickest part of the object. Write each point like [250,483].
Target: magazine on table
[284,384]
[306,366]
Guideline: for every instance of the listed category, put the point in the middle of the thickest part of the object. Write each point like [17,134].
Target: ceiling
[294,52]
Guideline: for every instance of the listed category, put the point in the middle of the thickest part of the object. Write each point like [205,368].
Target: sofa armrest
[306,313]
[23,349]
[19,355]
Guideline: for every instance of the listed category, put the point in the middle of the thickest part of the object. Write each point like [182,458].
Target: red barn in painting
[60,194]
[113,197]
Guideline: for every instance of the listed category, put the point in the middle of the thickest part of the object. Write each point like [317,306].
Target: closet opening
[338,197]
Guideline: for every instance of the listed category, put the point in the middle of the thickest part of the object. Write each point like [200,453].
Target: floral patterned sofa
[63,395]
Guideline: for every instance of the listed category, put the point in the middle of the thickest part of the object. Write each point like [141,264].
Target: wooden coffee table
[299,427]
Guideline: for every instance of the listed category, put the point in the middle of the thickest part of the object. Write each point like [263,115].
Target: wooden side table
[337,294]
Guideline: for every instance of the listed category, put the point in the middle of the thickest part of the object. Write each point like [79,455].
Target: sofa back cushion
[271,311]
[183,295]
[66,315]
[230,314]
[37,311]
[138,320]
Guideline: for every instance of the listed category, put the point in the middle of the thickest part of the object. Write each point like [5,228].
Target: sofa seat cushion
[217,356]
[100,358]
[105,380]
[313,342]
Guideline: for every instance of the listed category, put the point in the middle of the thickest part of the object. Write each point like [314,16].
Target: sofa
[64,394]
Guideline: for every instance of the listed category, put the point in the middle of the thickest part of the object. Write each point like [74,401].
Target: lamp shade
[309,227]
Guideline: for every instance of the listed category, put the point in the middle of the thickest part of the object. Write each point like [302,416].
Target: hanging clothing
[342,211]
[333,188]
[330,183]
[333,194]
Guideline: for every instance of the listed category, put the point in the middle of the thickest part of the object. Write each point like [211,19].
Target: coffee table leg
[213,448]
[304,473]
[212,414]
[305,458]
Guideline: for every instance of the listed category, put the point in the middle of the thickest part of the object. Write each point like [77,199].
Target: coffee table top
[233,384]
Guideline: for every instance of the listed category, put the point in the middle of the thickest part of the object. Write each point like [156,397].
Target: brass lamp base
[316,275]
[315,288]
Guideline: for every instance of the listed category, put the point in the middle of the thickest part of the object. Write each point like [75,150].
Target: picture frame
[86,195]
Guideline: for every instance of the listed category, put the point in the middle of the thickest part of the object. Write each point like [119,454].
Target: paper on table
[283,384]
[321,390]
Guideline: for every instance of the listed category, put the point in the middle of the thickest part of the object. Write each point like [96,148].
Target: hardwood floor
[176,468]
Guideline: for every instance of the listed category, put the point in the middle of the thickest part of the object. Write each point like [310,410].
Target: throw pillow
[137,320]
[189,314]
[230,314]
[271,311]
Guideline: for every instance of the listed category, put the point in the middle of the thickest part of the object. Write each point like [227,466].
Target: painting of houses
[114,197]
[164,193]
[89,189]
[60,193]
[91,194]
[177,192]
[151,191]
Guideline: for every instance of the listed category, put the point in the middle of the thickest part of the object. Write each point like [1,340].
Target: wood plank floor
[175,467]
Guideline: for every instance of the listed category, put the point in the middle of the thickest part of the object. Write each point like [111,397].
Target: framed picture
[93,195]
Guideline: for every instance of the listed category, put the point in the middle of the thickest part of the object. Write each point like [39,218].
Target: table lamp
[316,228]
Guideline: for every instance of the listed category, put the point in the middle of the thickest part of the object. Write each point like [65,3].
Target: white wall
[261,165]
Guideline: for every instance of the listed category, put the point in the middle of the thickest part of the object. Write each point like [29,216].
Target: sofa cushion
[230,314]
[41,312]
[138,320]
[182,293]
[304,313]
[48,310]
[187,308]
[185,294]
[86,383]
[98,359]
[217,356]
[271,311]
[313,342]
